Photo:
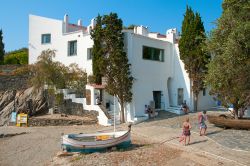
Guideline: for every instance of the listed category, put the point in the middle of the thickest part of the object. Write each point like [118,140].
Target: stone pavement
[230,146]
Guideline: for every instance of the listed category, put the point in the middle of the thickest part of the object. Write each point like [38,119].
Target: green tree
[48,72]
[117,67]
[17,57]
[2,52]
[192,52]
[97,52]
[55,74]
[76,79]
[114,63]
[228,72]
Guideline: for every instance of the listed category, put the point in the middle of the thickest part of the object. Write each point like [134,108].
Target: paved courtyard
[234,139]
[229,145]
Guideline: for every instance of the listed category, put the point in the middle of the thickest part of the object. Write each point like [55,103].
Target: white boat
[96,142]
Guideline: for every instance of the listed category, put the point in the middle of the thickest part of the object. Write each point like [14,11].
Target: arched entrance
[170,91]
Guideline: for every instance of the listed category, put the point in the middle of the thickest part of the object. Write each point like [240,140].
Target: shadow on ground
[196,142]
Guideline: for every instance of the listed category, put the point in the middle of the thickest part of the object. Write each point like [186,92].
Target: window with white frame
[46,38]
[72,48]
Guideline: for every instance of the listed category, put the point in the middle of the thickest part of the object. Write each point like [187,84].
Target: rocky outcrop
[30,101]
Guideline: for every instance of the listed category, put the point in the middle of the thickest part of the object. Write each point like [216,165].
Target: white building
[155,64]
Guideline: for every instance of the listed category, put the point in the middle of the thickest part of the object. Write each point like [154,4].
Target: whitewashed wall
[59,42]
[149,75]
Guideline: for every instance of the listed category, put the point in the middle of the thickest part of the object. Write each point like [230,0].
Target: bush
[17,57]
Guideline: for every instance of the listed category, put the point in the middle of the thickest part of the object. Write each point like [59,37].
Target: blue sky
[158,15]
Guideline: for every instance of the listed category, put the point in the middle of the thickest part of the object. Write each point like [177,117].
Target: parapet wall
[11,81]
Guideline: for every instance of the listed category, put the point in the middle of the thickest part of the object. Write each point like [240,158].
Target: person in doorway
[184,107]
[150,112]
[98,101]
[146,109]
[203,127]
[186,127]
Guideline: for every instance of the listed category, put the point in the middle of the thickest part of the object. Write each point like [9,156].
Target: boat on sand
[96,142]
[229,122]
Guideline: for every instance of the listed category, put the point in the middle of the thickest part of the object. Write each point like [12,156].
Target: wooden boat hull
[87,143]
[223,121]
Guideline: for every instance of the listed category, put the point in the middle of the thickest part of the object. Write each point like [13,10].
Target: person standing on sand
[202,124]
[186,131]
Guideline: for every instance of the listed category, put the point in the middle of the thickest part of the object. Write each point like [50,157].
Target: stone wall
[10,81]
[13,82]
[59,122]
[70,108]
[8,69]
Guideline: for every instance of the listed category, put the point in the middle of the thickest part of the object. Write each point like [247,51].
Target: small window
[204,91]
[89,56]
[46,38]
[155,54]
[72,48]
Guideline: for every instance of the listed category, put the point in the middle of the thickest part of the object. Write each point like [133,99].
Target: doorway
[180,96]
[157,99]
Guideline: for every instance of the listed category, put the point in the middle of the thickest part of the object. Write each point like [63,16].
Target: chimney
[79,22]
[66,18]
[171,35]
[135,30]
[93,23]
[66,21]
[141,30]
[89,28]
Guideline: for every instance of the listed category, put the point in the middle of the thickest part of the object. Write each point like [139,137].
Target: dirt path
[38,146]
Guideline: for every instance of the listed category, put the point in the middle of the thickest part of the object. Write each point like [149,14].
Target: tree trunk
[236,109]
[236,113]
[122,112]
[195,102]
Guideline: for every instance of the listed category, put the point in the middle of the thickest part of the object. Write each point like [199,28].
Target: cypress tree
[192,53]
[2,52]
[97,52]
[117,67]
[110,60]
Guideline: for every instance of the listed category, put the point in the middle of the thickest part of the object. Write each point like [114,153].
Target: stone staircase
[175,109]
[105,111]
[114,117]
[56,110]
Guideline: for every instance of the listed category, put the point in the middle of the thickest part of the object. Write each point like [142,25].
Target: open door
[157,99]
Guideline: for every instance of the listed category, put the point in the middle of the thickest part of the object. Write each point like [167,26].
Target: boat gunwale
[104,143]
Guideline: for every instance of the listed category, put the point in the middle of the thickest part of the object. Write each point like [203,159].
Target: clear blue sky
[158,15]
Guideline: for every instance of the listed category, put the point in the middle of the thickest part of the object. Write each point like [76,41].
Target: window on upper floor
[72,48]
[155,54]
[89,53]
[46,38]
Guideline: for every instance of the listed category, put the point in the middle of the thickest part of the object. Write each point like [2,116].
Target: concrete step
[176,110]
